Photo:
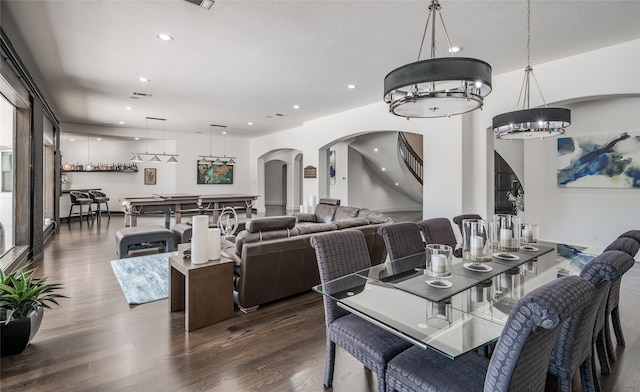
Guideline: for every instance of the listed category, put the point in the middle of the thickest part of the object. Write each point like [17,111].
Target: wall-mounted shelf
[100,167]
[101,171]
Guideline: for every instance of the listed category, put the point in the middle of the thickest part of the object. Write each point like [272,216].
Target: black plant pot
[16,335]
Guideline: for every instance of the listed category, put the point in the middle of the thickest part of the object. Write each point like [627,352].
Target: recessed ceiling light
[72,140]
[396,184]
[249,123]
[296,106]
[224,132]
[136,138]
[383,169]
[351,86]
[143,79]
[129,108]
[455,49]
[164,37]
[121,122]
[375,149]
[98,138]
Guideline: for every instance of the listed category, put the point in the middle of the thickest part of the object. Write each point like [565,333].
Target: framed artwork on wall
[332,166]
[215,173]
[150,176]
[599,161]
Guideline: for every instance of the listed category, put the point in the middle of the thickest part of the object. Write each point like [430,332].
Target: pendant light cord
[434,8]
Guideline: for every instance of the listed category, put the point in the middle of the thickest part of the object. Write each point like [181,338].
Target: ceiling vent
[142,94]
[206,4]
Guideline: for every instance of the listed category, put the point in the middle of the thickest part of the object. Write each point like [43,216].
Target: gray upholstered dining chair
[401,239]
[338,254]
[438,231]
[521,356]
[459,218]
[574,346]
[630,247]
[610,264]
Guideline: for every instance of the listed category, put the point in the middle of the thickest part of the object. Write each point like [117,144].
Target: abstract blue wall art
[600,161]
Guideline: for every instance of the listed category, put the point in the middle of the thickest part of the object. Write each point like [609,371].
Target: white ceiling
[246,61]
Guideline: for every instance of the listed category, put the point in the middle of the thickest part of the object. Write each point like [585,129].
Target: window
[7,164]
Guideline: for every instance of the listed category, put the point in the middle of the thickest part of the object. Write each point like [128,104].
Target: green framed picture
[215,173]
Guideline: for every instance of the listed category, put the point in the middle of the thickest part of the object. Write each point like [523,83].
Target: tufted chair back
[520,359]
[574,345]
[459,218]
[402,239]
[633,234]
[438,231]
[338,254]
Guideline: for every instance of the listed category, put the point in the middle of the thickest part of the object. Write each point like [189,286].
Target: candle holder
[507,236]
[529,235]
[439,265]
[476,244]
[439,314]
[511,285]
[480,298]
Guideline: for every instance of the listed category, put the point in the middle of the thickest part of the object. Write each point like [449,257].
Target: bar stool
[80,199]
[99,198]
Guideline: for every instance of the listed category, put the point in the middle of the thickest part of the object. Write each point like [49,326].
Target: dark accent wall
[37,170]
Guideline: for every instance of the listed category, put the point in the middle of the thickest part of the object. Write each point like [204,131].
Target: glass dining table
[456,320]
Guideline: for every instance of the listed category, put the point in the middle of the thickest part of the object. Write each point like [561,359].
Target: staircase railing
[410,157]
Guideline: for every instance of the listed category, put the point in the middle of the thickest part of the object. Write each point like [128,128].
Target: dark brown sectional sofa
[274,258]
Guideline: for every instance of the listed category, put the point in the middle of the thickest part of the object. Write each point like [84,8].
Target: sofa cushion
[315,228]
[245,236]
[326,200]
[374,217]
[344,212]
[304,217]
[271,223]
[377,218]
[325,213]
[346,223]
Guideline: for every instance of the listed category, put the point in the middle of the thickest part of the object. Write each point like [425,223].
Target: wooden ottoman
[131,239]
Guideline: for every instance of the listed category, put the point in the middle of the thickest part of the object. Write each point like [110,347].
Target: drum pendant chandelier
[437,87]
[531,123]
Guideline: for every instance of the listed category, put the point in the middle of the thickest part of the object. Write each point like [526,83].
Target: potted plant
[23,298]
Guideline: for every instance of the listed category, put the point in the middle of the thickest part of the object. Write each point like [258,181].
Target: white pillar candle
[476,244]
[438,264]
[214,244]
[505,237]
[199,239]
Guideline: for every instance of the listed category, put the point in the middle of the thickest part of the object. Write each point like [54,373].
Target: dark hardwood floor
[95,341]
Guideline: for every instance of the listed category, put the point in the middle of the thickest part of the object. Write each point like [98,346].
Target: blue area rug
[143,279]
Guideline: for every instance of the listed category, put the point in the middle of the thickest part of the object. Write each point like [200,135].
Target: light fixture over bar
[155,157]
[437,87]
[218,160]
[531,123]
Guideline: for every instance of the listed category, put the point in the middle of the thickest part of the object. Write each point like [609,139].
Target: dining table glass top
[395,296]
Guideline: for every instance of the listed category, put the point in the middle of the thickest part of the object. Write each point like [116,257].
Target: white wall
[178,177]
[584,216]
[459,151]
[314,136]
[340,190]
